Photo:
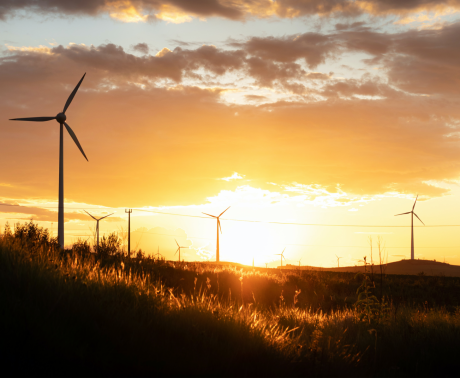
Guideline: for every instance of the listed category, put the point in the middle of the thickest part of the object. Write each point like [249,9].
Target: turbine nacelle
[61,118]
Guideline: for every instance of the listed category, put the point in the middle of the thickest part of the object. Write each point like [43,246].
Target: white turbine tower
[61,119]
[412,257]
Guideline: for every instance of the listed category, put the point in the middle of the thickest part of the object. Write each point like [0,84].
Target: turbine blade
[210,215]
[176,242]
[282,253]
[33,119]
[419,219]
[403,213]
[224,211]
[220,227]
[413,207]
[106,216]
[90,215]
[74,137]
[72,95]
[176,251]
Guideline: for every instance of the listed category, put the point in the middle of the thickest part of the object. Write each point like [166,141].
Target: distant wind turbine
[178,248]
[412,256]
[158,254]
[218,228]
[97,224]
[282,256]
[61,119]
[338,263]
[299,262]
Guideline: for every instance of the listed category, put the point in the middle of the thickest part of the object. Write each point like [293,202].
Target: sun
[242,242]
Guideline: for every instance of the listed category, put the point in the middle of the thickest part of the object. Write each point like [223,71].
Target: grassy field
[76,313]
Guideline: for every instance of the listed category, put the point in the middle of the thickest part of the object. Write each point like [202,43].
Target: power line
[254,221]
[297,224]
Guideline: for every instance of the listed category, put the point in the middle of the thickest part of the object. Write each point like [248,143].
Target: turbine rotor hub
[61,117]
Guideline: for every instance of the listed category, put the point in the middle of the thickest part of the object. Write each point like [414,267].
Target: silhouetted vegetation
[74,312]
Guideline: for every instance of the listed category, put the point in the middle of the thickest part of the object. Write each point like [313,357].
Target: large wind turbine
[412,228]
[97,224]
[218,227]
[178,248]
[61,119]
[282,256]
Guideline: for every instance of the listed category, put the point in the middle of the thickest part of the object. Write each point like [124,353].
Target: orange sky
[315,112]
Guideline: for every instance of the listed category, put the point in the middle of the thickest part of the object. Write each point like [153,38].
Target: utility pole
[129,211]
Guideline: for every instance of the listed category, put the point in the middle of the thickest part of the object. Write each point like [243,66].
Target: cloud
[142,48]
[235,176]
[165,144]
[40,214]
[256,98]
[313,48]
[177,11]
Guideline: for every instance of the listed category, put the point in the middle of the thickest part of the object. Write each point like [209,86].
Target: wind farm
[241,211]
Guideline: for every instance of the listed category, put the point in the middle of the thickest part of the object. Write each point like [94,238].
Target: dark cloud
[40,214]
[142,48]
[267,72]
[349,88]
[230,9]
[255,98]
[352,26]
[112,61]
[313,48]
[426,62]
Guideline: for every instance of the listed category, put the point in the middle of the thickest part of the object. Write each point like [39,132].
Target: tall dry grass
[74,313]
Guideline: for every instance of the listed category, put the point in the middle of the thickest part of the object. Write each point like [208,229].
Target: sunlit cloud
[172,14]
[235,176]
[39,49]
[125,11]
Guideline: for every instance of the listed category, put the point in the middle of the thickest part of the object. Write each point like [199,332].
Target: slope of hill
[403,267]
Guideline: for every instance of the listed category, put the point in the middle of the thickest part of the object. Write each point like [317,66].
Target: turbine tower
[218,228]
[412,257]
[282,256]
[178,248]
[338,262]
[61,119]
[97,224]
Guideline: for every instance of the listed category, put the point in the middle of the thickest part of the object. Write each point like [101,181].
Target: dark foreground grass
[74,321]
[63,314]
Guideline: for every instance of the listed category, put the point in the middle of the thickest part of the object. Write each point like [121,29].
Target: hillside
[403,267]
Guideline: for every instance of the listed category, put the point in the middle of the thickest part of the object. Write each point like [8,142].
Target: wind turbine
[338,262]
[97,224]
[282,256]
[61,119]
[412,228]
[218,227]
[178,248]
[299,262]
[158,254]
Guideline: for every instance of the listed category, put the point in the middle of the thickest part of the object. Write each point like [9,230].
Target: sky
[315,121]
